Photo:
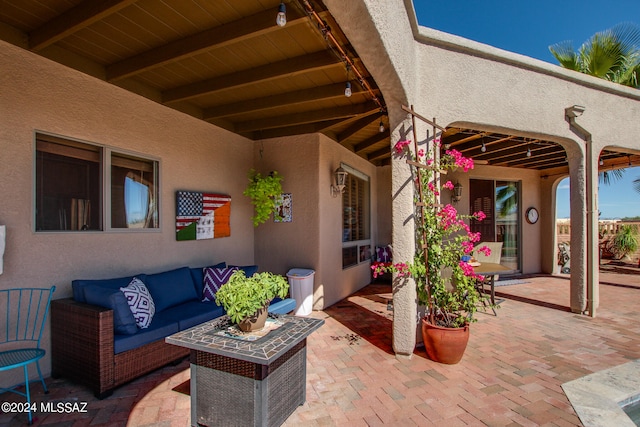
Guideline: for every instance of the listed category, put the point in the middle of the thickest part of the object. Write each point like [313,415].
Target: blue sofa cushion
[140,302]
[123,320]
[282,306]
[79,285]
[197,274]
[249,270]
[171,288]
[158,330]
[192,313]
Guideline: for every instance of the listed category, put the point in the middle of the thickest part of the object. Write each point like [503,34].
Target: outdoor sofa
[95,344]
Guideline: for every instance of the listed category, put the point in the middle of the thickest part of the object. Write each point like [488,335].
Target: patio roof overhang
[226,63]
[499,149]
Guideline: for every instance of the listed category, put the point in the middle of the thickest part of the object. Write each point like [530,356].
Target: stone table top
[221,337]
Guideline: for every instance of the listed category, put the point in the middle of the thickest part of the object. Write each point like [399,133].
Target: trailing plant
[263,192]
[242,296]
[626,240]
[445,282]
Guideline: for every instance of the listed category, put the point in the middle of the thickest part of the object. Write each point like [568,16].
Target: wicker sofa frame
[82,340]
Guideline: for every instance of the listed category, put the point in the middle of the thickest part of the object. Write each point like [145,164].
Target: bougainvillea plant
[444,278]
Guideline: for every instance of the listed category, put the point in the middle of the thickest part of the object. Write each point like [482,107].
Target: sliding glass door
[500,201]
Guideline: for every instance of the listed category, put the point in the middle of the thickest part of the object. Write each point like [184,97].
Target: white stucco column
[404,290]
[578,203]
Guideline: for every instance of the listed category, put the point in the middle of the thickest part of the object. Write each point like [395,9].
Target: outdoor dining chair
[25,311]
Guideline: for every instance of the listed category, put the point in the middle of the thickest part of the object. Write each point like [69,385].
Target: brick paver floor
[511,373]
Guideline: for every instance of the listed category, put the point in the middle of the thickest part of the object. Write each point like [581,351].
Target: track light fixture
[281,17]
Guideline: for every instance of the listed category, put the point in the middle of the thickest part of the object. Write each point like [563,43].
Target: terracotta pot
[255,322]
[444,345]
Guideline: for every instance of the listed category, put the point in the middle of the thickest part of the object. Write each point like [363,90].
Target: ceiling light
[381,128]
[528,152]
[281,18]
[347,90]
[483,148]
[601,162]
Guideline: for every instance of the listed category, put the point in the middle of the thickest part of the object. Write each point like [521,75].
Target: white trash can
[301,286]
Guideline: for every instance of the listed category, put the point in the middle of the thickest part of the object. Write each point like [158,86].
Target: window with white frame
[356,219]
[87,187]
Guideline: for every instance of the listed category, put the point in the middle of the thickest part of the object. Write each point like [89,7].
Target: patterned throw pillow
[140,302]
[383,254]
[214,278]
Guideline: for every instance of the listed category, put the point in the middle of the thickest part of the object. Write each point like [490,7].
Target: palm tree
[612,54]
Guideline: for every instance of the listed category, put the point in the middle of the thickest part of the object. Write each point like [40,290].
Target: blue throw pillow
[123,320]
[171,288]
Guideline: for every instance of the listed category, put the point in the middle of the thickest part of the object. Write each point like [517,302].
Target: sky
[529,27]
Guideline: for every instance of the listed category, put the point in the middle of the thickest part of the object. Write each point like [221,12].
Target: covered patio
[511,374]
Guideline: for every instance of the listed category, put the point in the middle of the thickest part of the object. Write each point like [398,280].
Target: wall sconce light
[457,193]
[340,176]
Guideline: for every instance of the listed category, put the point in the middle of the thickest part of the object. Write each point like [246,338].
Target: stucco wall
[313,238]
[36,94]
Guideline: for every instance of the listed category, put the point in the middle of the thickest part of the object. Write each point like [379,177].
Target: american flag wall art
[202,215]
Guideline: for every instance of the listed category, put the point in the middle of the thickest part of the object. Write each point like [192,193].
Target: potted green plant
[625,241]
[246,299]
[445,281]
[263,191]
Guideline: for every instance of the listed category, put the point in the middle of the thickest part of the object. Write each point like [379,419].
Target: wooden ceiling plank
[371,141]
[292,130]
[358,125]
[306,117]
[263,73]
[312,94]
[379,154]
[223,35]
[76,18]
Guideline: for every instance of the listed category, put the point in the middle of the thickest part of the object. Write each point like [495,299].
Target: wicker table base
[231,392]
[244,383]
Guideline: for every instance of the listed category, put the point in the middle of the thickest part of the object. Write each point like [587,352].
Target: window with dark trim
[71,194]
[356,218]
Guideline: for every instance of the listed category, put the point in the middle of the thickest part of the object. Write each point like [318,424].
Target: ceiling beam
[264,73]
[317,127]
[371,141]
[306,117]
[278,101]
[223,35]
[357,126]
[76,18]
[379,154]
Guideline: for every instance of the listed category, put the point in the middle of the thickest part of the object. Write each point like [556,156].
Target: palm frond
[566,56]
[609,177]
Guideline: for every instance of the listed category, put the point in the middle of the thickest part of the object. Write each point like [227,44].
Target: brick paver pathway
[511,373]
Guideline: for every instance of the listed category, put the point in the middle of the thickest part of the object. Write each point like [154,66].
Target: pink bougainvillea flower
[448,185]
[460,161]
[485,250]
[400,145]
[480,215]
[421,153]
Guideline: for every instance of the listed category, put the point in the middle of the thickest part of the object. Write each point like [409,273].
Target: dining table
[489,270]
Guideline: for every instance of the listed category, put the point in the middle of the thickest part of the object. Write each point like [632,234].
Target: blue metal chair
[26,312]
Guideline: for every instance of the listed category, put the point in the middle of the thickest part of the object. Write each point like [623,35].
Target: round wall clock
[532,215]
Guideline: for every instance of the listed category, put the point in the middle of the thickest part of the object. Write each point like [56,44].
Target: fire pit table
[247,379]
